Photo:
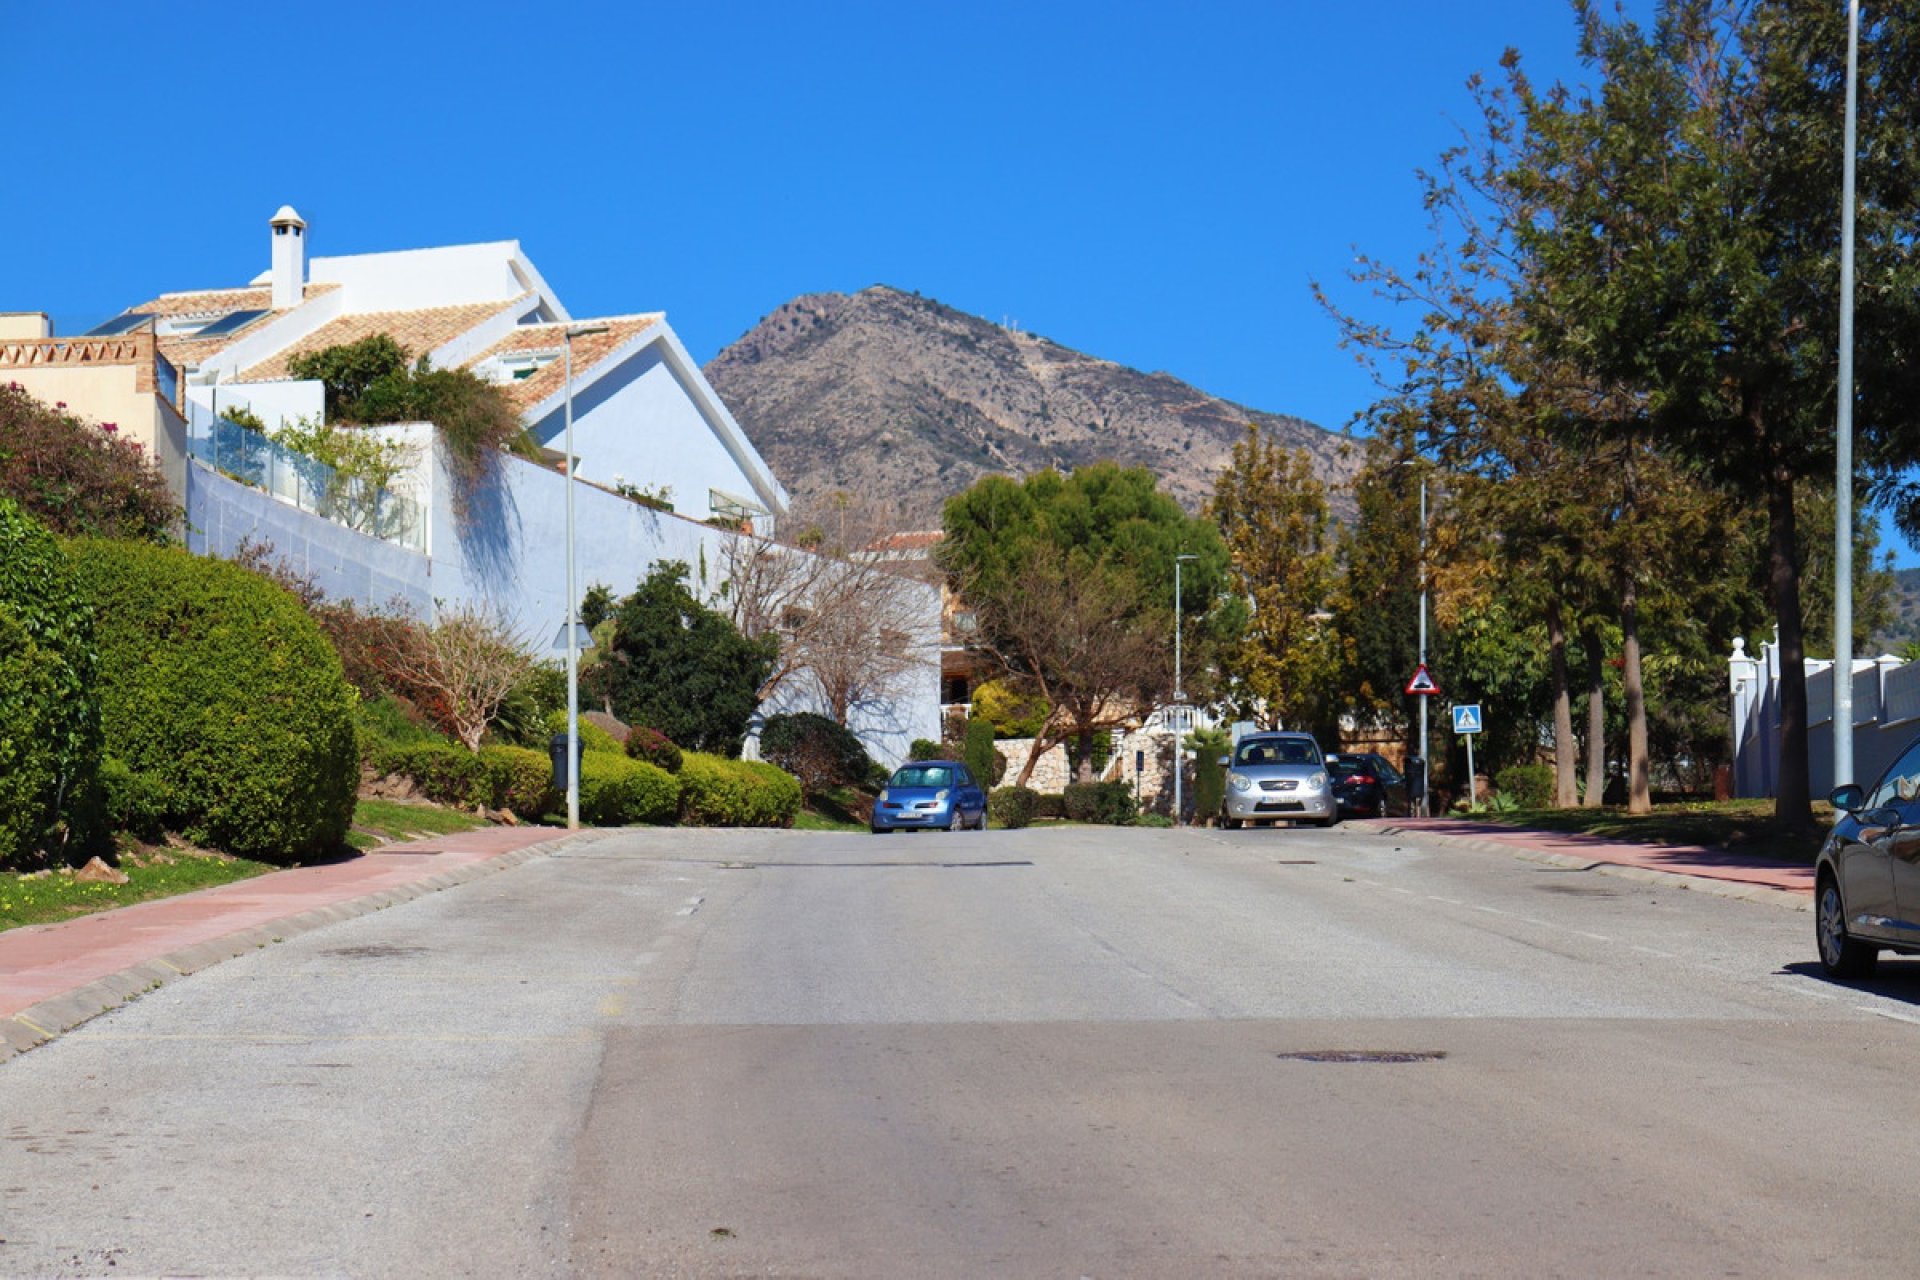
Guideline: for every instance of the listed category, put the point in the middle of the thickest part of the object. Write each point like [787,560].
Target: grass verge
[1736,826]
[52,896]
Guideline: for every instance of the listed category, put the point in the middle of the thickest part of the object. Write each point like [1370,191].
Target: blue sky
[1153,184]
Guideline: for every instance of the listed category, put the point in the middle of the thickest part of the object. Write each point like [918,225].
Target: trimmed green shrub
[1012,807]
[444,772]
[983,760]
[618,792]
[820,752]
[592,737]
[49,709]
[1108,803]
[925,749]
[216,684]
[1151,820]
[656,748]
[1529,785]
[718,792]
[1049,804]
[521,781]
[136,803]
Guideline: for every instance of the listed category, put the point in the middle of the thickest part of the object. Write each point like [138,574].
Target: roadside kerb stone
[39,1023]
[1791,899]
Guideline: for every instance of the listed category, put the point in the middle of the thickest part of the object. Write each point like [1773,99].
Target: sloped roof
[220,301]
[588,351]
[420,332]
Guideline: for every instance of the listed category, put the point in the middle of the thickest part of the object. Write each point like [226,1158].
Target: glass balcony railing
[243,454]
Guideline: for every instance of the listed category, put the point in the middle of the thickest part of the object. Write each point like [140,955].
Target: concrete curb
[39,1023]
[1766,894]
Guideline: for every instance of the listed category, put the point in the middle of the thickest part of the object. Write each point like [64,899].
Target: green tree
[681,668]
[1273,517]
[1686,250]
[1071,578]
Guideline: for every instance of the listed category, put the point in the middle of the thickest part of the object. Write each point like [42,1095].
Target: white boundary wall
[1886,717]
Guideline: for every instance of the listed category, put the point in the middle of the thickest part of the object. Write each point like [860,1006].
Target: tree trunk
[1639,789]
[1566,793]
[1596,719]
[1792,805]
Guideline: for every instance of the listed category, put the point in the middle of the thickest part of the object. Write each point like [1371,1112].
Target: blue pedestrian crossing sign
[1466,718]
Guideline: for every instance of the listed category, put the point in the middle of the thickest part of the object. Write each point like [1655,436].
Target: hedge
[49,711]
[499,777]
[618,792]
[1530,785]
[718,792]
[654,747]
[1012,807]
[216,685]
[592,737]
[1108,803]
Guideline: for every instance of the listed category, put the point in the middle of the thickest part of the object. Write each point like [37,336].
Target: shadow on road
[1894,979]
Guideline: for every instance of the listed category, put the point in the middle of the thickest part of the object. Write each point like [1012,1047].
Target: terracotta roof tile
[527,392]
[418,331]
[220,301]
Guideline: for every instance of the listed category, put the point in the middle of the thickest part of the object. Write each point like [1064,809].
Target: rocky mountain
[890,394]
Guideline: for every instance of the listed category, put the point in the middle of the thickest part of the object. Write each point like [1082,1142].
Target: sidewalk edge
[39,1023]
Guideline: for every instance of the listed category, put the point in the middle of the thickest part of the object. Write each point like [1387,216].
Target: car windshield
[1343,768]
[1277,751]
[922,775]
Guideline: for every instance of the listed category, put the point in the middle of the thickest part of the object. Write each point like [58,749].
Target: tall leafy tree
[1687,245]
[1273,517]
[1071,579]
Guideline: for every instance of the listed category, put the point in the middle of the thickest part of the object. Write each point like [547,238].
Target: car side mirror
[1886,818]
[1849,798]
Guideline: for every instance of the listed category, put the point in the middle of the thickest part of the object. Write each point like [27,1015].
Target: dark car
[930,795]
[1366,785]
[1866,887]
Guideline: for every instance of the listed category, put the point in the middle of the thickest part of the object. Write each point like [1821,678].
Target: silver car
[1278,777]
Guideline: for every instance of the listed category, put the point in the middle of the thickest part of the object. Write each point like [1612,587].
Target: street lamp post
[1424,699]
[573,596]
[1843,440]
[1179,694]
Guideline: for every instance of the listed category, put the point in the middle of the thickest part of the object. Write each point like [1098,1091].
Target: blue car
[930,795]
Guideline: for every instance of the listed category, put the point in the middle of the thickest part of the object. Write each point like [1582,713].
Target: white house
[645,421]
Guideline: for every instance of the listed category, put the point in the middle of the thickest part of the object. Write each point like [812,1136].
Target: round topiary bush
[216,684]
[49,712]
[822,753]
[654,747]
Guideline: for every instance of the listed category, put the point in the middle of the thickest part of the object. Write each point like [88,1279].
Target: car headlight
[1316,782]
[940,796]
[883,796]
[1239,781]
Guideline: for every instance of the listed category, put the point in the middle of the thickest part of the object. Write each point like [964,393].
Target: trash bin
[1416,777]
[557,756]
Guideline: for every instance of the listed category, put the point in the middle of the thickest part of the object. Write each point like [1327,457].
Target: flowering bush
[77,478]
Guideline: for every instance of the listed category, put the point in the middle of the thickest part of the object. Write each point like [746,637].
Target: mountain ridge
[886,392]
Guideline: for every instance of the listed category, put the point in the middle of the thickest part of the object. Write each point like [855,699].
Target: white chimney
[289,258]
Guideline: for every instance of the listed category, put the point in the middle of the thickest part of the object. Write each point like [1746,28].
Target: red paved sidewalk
[52,977]
[1683,860]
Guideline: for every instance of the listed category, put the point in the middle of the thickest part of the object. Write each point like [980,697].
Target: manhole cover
[1363,1055]
[376,951]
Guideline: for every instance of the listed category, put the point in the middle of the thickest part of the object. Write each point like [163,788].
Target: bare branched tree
[854,624]
[461,667]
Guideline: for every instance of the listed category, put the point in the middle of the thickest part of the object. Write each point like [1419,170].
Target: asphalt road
[1069,1052]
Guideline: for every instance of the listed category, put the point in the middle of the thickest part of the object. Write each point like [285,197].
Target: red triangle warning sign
[1422,682]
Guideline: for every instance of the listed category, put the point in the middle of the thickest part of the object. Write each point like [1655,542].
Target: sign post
[1466,722]
[1420,685]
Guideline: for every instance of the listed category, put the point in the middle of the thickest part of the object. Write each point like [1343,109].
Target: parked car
[1866,894]
[1273,777]
[1366,785]
[930,795]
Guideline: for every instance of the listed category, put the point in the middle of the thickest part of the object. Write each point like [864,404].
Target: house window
[514,366]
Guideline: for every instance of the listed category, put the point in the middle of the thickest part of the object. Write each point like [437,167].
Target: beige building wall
[102,383]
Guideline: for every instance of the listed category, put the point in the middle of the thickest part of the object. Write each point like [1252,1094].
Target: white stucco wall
[277,404]
[511,555]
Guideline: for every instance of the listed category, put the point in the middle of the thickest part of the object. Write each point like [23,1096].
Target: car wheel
[882,831]
[1229,824]
[959,820]
[1328,821]
[982,825]
[1840,955]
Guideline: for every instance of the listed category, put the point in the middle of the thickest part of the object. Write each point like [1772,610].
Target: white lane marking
[1493,911]
[1397,889]
[1452,902]
[1597,937]
[693,905]
[1888,1013]
[1654,951]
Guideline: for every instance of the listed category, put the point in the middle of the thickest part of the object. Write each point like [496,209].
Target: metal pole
[1473,795]
[1178,698]
[573,605]
[1424,771]
[1843,442]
